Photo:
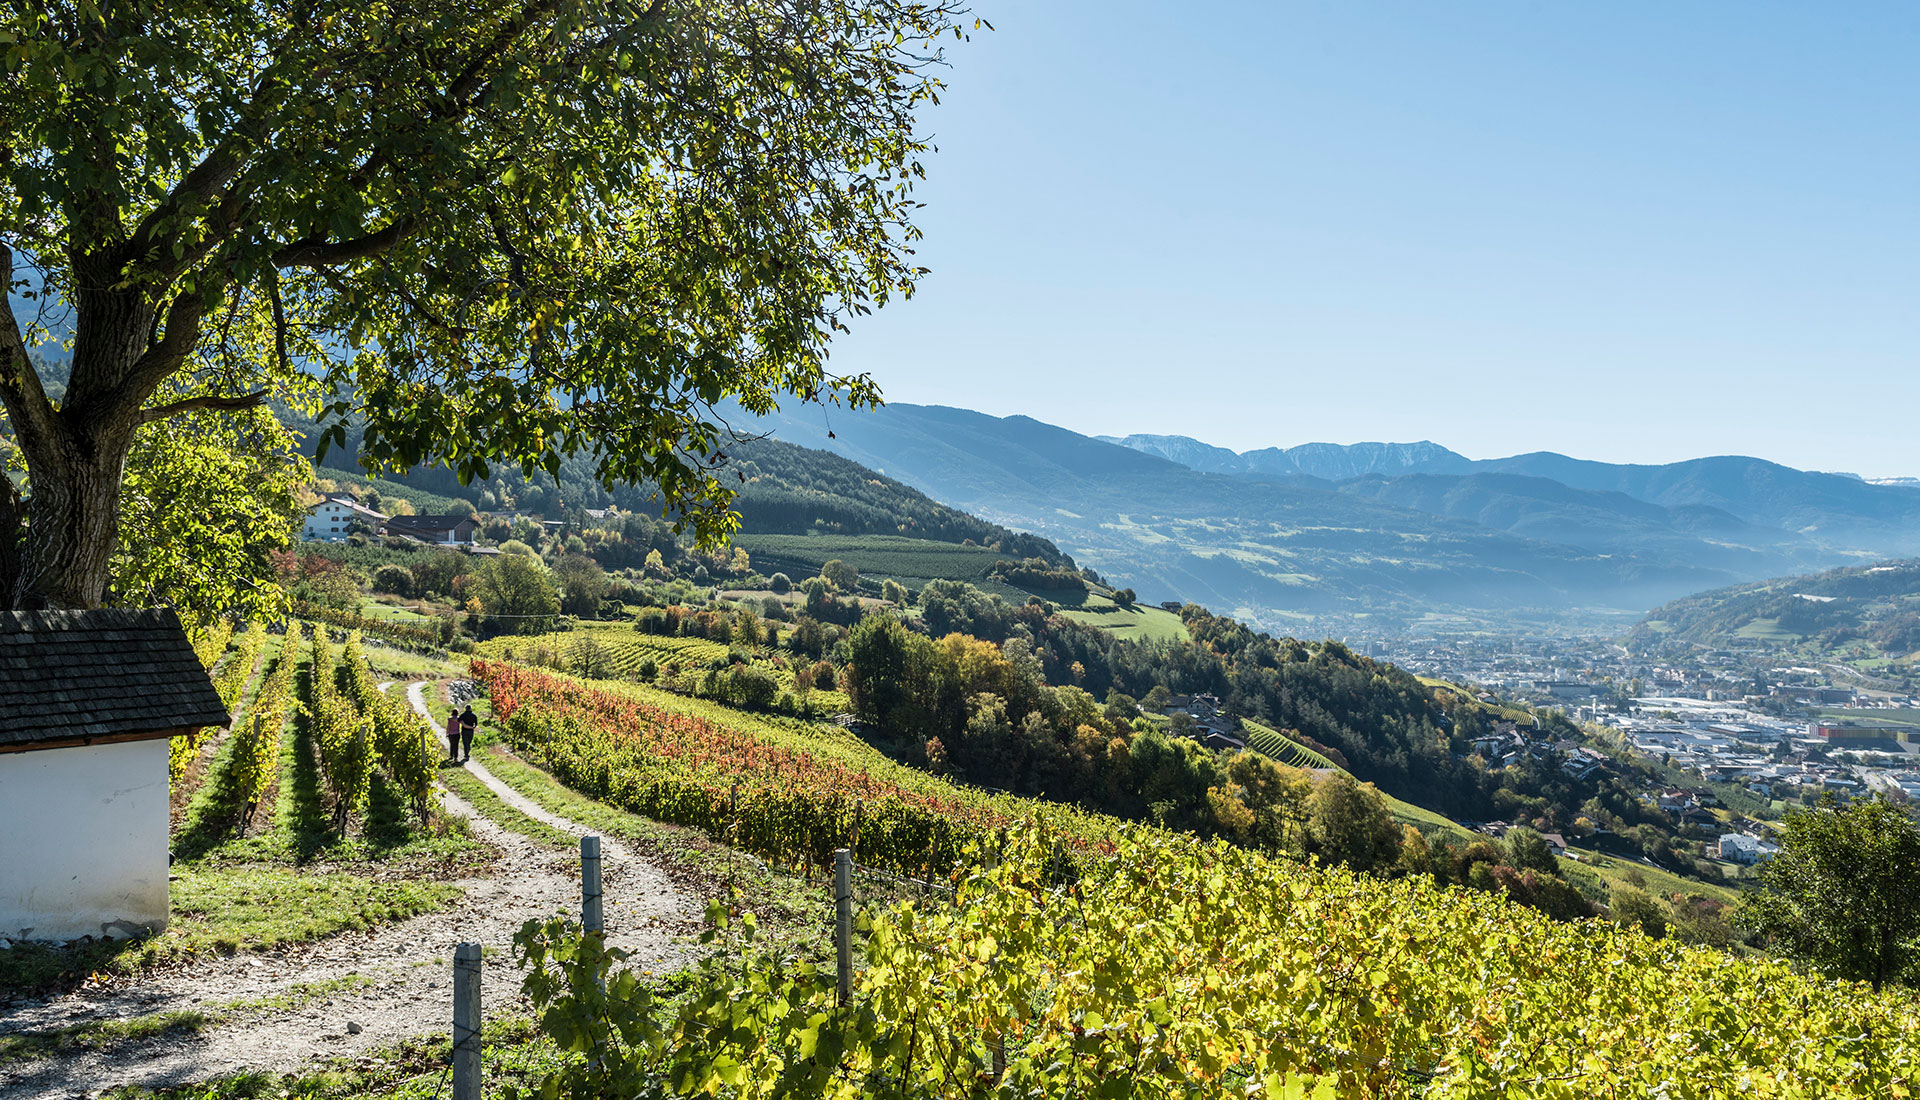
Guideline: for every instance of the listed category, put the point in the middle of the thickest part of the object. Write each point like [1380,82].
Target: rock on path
[408,966]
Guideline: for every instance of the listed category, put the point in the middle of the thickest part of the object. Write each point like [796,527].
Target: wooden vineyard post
[466,1022]
[859,816]
[843,919]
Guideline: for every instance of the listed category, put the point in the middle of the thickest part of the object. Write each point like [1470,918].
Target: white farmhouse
[88,700]
[331,519]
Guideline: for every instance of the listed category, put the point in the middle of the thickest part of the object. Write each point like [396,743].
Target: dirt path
[407,967]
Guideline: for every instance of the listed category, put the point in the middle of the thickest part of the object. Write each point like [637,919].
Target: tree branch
[324,253]
[244,401]
[21,393]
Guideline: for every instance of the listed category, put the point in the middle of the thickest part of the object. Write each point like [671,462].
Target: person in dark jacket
[468,723]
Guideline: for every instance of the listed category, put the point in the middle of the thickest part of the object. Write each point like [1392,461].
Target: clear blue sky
[1632,232]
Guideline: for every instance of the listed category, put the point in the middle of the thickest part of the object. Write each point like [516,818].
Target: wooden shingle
[75,677]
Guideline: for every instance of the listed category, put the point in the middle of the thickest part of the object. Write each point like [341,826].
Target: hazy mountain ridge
[1176,517]
[1332,461]
[1273,548]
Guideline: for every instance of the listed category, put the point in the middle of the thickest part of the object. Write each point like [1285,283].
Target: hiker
[453,736]
[468,722]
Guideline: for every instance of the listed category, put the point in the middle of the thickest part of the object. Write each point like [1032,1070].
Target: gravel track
[408,966]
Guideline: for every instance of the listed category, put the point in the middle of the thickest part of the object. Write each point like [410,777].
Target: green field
[374,609]
[1613,870]
[1139,623]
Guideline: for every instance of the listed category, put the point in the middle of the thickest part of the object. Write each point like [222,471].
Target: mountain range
[1382,536]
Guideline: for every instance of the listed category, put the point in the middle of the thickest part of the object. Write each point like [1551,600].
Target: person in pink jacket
[453,735]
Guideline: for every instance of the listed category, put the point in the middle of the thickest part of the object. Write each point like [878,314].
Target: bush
[396,579]
[780,584]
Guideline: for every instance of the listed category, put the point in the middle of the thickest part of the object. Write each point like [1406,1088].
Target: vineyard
[318,759]
[622,651]
[785,790]
[617,652]
[230,671]
[1175,967]
[1283,749]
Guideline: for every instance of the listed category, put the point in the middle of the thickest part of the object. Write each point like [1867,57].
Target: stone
[353,1028]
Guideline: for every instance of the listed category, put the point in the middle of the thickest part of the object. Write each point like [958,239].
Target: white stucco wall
[83,841]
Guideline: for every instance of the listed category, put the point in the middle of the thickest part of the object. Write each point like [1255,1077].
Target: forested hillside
[783,489]
[1868,611]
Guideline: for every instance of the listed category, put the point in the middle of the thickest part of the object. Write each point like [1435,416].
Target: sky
[1635,232]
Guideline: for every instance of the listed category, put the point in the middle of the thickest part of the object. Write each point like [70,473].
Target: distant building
[88,702]
[333,518]
[1840,732]
[1739,848]
[443,530]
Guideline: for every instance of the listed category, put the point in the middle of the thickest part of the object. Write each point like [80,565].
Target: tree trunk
[73,515]
[76,459]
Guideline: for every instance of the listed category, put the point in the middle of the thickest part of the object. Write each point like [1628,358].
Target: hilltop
[1865,616]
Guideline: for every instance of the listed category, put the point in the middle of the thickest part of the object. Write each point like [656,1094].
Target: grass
[1613,870]
[1139,623]
[225,911]
[371,608]
[400,664]
[496,809]
[97,1034]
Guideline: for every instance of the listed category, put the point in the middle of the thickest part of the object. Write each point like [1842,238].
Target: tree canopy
[1844,890]
[494,233]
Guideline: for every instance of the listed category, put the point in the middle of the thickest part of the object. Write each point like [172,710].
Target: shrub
[397,579]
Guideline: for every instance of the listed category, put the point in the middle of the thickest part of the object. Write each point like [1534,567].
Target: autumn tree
[494,233]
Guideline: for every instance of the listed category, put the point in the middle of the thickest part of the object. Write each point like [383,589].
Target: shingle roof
[73,676]
[407,525]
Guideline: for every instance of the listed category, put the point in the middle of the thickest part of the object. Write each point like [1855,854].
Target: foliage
[1844,891]
[583,584]
[1175,968]
[466,224]
[516,592]
[205,501]
[1038,573]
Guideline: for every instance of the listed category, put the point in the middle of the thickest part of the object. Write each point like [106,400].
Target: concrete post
[590,911]
[466,1022]
[843,919]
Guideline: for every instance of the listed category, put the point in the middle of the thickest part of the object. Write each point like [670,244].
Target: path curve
[408,966]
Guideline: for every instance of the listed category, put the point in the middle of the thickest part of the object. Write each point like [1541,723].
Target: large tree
[498,231]
[1844,890]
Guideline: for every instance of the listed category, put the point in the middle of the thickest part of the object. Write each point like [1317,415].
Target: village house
[88,703]
[336,516]
[1210,727]
[441,530]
